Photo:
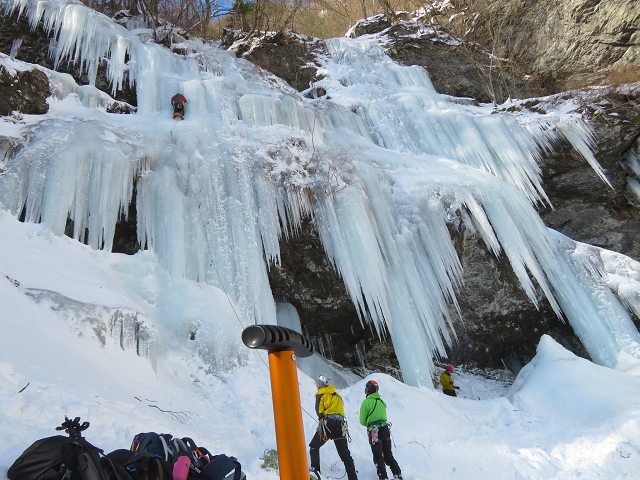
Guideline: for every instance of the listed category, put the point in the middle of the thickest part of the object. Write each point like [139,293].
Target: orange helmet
[370,387]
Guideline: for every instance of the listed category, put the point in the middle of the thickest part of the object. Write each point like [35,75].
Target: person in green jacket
[448,388]
[373,415]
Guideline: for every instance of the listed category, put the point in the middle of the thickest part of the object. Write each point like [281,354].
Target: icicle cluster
[380,168]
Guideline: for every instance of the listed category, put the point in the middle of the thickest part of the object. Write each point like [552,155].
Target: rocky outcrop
[564,44]
[458,68]
[584,207]
[500,326]
[24,92]
[32,46]
[289,56]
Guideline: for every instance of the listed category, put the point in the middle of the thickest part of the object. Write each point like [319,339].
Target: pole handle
[274,338]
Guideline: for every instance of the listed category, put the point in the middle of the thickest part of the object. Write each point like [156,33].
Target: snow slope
[563,418]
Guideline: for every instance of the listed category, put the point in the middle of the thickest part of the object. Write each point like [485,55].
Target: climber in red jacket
[178,101]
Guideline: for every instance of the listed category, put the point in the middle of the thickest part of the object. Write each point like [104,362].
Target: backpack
[202,465]
[166,448]
[59,457]
[154,443]
[124,463]
[221,467]
[176,101]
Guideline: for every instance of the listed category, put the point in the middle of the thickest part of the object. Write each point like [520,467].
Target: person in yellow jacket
[448,388]
[331,426]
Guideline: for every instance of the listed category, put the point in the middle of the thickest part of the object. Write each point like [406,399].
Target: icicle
[15,46]
[379,169]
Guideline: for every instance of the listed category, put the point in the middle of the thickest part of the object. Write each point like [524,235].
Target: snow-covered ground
[564,417]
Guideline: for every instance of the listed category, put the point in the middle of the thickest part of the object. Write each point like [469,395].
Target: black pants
[451,393]
[333,432]
[382,453]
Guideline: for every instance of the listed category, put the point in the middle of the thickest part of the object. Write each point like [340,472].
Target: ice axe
[283,345]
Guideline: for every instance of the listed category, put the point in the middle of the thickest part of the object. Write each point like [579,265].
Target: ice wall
[314,365]
[381,167]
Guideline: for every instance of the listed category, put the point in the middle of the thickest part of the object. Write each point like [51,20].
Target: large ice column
[401,268]
[72,170]
[398,264]
[210,215]
[613,281]
[401,107]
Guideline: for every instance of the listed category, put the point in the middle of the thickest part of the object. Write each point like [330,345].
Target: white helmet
[322,379]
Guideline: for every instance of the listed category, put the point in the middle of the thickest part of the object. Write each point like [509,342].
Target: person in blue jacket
[373,415]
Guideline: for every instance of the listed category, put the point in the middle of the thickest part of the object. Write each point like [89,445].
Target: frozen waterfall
[381,168]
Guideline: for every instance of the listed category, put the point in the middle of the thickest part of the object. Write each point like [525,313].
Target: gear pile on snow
[152,456]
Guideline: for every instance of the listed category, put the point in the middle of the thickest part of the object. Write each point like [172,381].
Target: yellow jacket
[447,382]
[328,402]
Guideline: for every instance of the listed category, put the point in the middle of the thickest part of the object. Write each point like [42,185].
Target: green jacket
[373,409]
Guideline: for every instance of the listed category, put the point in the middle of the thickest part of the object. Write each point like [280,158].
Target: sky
[383,164]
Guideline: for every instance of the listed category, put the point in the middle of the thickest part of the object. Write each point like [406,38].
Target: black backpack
[159,444]
[58,457]
[164,447]
[220,467]
[124,463]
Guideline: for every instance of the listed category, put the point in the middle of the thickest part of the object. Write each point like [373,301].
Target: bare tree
[364,9]
[387,9]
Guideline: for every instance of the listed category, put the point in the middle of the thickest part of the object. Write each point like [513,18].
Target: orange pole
[287,413]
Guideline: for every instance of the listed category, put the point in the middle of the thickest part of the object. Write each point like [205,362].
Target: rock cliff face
[500,326]
[24,92]
[584,207]
[500,323]
[292,56]
[566,43]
